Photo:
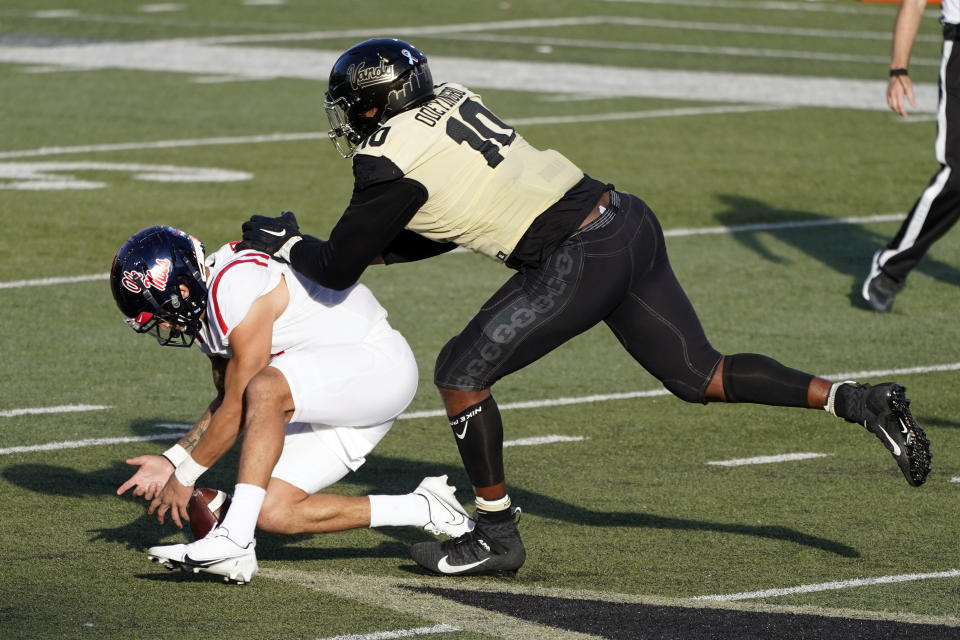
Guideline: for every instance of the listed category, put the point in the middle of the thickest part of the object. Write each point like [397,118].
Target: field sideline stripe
[400,633]
[830,586]
[671,233]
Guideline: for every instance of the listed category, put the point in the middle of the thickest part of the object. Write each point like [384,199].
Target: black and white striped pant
[938,207]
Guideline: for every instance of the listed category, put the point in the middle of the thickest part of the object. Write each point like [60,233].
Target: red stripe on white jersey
[260,259]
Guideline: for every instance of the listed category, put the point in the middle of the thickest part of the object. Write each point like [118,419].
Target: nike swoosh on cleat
[905,431]
[896,447]
[444,567]
[279,234]
[201,563]
[457,518]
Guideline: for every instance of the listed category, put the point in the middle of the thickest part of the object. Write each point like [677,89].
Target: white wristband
[284,252]
[188,471]
[175,454]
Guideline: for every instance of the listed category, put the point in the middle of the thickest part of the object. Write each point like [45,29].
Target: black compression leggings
[614,270]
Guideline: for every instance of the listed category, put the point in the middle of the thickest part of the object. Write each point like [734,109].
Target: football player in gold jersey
[434,169]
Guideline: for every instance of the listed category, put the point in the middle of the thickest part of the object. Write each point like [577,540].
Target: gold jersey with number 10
[485,183]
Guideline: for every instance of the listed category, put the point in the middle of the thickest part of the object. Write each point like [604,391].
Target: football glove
[275,236]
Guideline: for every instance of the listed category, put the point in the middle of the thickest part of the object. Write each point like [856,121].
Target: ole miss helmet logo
[156,277]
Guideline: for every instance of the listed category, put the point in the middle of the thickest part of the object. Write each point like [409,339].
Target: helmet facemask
[341,132]
[175,322]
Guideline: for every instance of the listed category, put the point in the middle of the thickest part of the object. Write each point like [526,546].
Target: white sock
[398,511]
[241,518]
[832,395]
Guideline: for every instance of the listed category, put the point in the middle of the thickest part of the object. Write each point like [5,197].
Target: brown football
[206,509]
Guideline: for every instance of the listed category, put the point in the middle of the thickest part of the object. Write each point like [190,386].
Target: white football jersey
[314,315]
[485,183]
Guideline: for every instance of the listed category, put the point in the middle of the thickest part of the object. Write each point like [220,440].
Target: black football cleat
[879,289]
[885,412]
[492,548]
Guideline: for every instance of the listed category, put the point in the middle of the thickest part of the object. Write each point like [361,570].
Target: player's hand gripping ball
[206,509]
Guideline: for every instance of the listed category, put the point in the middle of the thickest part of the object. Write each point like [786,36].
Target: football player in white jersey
[937,209]
[315,377]
[433,169]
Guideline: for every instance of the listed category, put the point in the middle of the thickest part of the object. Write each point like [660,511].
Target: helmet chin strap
[200,254]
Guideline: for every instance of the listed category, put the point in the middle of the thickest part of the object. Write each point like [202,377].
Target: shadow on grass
[844,248]
[381,475]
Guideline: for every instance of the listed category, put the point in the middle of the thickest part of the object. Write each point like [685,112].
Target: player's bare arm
[250,342]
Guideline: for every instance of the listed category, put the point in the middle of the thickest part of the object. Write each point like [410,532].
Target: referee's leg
[938,207]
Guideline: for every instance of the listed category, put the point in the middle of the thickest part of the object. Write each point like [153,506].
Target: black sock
[750,377]
[479,433]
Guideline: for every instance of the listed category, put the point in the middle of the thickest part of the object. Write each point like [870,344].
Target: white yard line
[774,5]
[528,404]
[91,442]
[400,633]
[164,144]
[66,408]
[830,586]
[536,441]
[695,49]
[675,233]
[783,457]
[787,224]
[537,23]
[176,431]
[322,135]
[42,282]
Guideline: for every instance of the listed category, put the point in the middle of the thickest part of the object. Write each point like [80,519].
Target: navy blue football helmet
[145,280]
[384,73]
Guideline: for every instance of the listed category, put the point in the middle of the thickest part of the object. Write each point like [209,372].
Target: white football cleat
[446,514]
[217,553]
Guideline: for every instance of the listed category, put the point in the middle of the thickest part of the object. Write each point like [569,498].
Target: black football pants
[614,270]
